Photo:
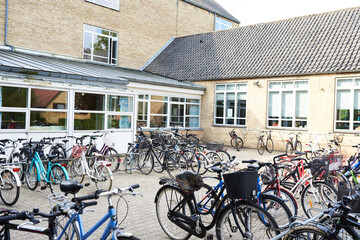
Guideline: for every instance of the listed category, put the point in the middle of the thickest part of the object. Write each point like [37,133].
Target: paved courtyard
[141,219]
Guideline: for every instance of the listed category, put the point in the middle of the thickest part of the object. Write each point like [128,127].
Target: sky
[260,11]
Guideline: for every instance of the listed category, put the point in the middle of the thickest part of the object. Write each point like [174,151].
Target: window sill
[226,125]
[285,128]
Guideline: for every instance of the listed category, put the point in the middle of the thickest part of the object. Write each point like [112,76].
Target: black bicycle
[292,145]
[261,146]
[236,141]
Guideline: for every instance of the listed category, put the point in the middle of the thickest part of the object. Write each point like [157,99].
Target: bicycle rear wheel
[307,232]
[113,158]
[175,163]
[31,178]
[277,209]
[145,162]
[103,178]
[269,145]
[254,221]
[77,170]
[167,198]
[9,191]
[289,148]
[260,146]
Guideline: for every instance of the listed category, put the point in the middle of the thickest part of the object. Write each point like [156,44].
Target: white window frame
[294,90]
[352,89]
[225,92]
[93,33]
[113,4]
[222,24]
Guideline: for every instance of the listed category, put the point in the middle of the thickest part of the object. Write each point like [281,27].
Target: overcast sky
[260,11]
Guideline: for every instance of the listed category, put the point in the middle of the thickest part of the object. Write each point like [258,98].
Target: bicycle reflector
[108,164]
[16,169]
[63,164]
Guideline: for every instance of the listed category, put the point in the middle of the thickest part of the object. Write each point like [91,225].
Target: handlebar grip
[249,161]
[135,186]
[87,197]
[253,166]
[19,216]
[87,204]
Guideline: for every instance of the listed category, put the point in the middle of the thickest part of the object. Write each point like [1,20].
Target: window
[153,111]
[114,4]
[222,24]
[347,113]
[288,104]
[230,104]
[100,45]
[89,111]
[13,104]
[120,110]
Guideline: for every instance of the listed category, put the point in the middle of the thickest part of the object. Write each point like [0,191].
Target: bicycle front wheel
[113,158]
[9,192]
[298,146]
[167,198]
[57,175]
[307,232]
[289,148]
[269,145]
[277,209]
[175,163]
[31,178]
[103,178]
[260,146]
[254,222]
[213,157]
[77,170]
[145,162]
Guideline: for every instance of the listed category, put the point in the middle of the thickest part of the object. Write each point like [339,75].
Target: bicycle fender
[17,179]
[164,186]
[262,194]
[65,171]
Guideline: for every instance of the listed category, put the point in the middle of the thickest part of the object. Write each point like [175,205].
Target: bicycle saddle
[70,186]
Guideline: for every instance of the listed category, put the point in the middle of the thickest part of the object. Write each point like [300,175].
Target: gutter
[6,25]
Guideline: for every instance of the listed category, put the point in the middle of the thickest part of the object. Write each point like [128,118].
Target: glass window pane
[119,122]
[230,87]
[274,105]
[193,100]
[219,121]
[343,105]
[89,101]
[192,109]
[342,125]
[177,115]
[220,87]
[356,126]
[158,121]
[13,97]
[88,121]
[357,82]
[344,83]
[12,120]
[120,103]
[41,120]
[301,124]
[159,98]
[301,84]
[274,85]
[287,105]
[229,121]
[158,108]
[241,87]
[301,108]
[286,123]
[87,43]
[101,46]
[142,111]
[241,122]
[241,105]
[49,99]
[356,105]
[287,85]
[230,104]
[219,104]
[192,122]
[273,123]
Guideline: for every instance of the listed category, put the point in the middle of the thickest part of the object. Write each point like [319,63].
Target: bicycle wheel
[205,198]
[77,170]
[166,199]
[71,232]
[145,162]
[225,156]
[287,197]
[269,145]
[287,178]
[307,232]
[103,178]
[260,146]
[277,209]
[57,175]
[194,163]
[175,163]
[289,148]
[337,179]
[237,143]
[213,157]
[9,191]
[315,196]
[259,223]
[204,161]
[158,165]
[308,151]
[298,146]
[31,177]
[113,158]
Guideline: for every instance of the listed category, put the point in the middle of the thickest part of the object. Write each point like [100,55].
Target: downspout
[6,25]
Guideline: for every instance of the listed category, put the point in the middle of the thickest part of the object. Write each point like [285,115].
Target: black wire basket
[319,167]
[241,184]
[215,146]
[268,176]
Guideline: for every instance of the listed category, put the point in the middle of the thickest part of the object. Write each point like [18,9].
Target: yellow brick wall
[56,26]
[320,117]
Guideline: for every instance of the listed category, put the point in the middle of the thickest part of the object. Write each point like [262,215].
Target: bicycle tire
[237,143]
[335,178]
[175,163]
[113,158]
[257,213]
[298,146]
[159,165]
[128,238]
[307,232]
[317,188]
[204,161]
[167,197]
[308,151]
[225,156]
[9,191]
[287,197]
[91,156]
[289,148]
[103,178]
[57,175]
[269,145]
[71,232]
[213,157]
[205,198]
[145,162]
[192,160]
[31,176]
[277,209]
[260,146]
[77,170]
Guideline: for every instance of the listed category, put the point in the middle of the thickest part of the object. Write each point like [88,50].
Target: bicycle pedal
[194,217]
[209,237]
[43,187]
[87,184]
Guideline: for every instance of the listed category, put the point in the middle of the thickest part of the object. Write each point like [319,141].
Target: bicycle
[9,183]
[179,217]
[99,172]
[334,144]
[313,149]
[261,146]
[352,171]
[72,224]
[108,150]
[35,170]
[293,146]
[236,141]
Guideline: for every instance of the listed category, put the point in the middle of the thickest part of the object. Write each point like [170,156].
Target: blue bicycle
[35,170]
[72,224]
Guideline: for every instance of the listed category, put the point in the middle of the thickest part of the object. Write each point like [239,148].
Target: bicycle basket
[335,162]
[339,138]
[214,146]
[241,184]
[143,144]
[268,176]
[319,167]
[189,181]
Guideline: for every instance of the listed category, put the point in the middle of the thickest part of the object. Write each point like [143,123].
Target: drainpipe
[6,25]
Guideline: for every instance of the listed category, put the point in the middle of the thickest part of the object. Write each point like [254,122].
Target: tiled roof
[313,44]
[214,7]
